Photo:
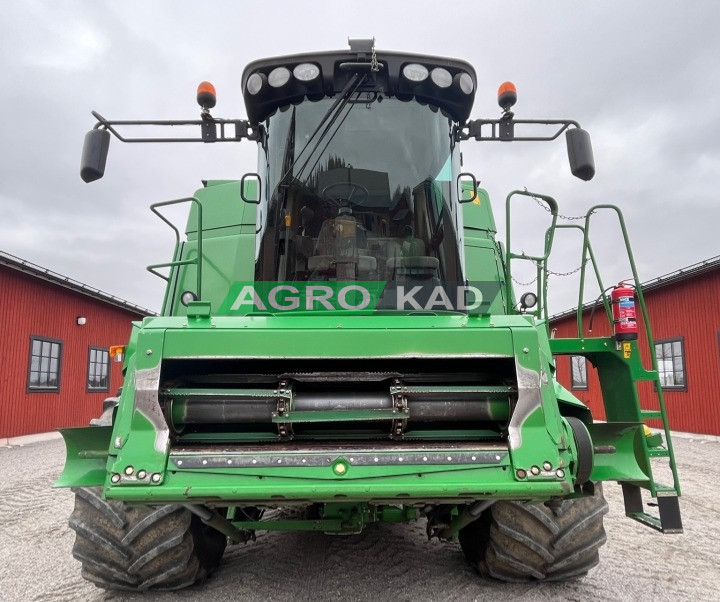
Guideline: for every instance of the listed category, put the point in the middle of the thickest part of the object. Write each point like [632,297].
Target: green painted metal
[624,459]
[177,262]
[510,336]
[596,269]
[540,261]
[648,330]
[646,519]
[86,451]
[618,373]
[293,486]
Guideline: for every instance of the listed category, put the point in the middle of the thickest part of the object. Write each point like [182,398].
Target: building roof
[42,273]
[696,269]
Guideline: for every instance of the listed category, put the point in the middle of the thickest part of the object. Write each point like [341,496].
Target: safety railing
[540,261]
[580,345]
[587,254]
[176,262]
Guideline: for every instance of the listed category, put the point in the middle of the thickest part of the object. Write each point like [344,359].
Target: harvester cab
[340,334]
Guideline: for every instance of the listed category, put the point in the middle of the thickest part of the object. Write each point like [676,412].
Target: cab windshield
[365,195]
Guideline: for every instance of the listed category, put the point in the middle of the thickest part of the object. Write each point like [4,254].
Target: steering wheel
[351,187]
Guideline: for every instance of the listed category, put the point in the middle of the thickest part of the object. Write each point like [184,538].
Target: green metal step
[647,519]
[659,453]
[669,520]
[645,375]
[647,414]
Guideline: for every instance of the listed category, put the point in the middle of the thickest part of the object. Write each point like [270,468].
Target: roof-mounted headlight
[441,77]
[306,72]
[464,83]
[415,72]
[279,77]
[255,83]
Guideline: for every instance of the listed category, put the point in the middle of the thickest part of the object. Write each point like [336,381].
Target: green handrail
[646,322]
[540,261]
[587,249]
[178,262]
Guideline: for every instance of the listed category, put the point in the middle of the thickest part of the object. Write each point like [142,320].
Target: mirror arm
[580,153]
[209,127]
[503,129]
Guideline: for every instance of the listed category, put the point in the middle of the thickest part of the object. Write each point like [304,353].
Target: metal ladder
[630,411]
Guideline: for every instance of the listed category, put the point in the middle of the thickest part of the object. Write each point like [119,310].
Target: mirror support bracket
[503,129]
[212,129]
[580,153]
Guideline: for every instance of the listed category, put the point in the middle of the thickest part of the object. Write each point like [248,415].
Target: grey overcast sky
[642,77]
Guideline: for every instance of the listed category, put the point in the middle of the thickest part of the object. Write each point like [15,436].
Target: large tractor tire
[137,548]
[523,541]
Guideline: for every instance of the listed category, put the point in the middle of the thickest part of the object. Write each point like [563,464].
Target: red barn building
[686,332]
[56,333]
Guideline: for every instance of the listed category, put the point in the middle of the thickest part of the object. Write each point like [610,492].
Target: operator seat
[338,250]
[408,260]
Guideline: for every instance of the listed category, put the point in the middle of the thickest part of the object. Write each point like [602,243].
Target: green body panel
[571,405]
[228,241]
[543,435]
[306,485]
[309,337]
[482,257]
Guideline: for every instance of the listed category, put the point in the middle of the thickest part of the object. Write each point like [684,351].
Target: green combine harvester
[340,337]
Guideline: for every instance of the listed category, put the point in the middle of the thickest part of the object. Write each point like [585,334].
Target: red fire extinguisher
[623,310]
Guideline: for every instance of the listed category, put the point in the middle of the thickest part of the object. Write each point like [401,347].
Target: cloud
[641,77]
[74,49]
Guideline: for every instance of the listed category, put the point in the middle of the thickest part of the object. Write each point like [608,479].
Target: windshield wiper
[332,114]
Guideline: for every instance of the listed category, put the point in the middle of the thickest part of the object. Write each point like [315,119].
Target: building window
[98,370]
[671,363]
[44,369]
[578,372]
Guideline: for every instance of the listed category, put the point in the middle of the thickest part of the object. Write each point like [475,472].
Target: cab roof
[336,68]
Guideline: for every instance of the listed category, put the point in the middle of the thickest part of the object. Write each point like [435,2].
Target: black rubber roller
[585,457]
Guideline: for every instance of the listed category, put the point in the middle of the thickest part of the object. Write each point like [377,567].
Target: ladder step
[659,453]
[647,519]
[647,375]
[669,520]
[647,414]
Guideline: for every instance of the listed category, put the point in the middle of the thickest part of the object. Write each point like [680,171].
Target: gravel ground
[386,562]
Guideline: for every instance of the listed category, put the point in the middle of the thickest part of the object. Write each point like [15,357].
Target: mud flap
[86,456]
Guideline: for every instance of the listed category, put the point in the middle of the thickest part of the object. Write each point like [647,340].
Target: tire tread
[530,542]
[136,548]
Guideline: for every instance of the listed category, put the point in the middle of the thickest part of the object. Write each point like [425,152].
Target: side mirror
[251,188]
[94,155]
[467,189]
[580,153]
